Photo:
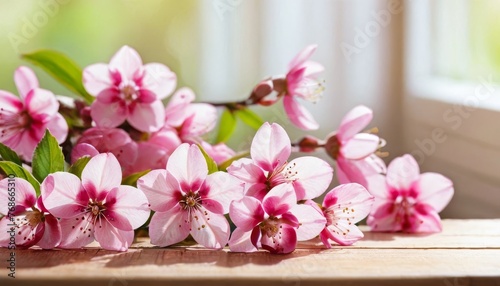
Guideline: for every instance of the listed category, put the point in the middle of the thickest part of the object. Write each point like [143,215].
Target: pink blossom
[275,224]
[97,207]
[406,200]
[128,90]
[219,152]
[189,201]
[102,140]
[269,166]
[26,222]
[352,150]
[343,207]
[23,121]
[301,83]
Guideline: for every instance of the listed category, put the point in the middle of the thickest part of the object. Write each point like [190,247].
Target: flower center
[270,226]
[404,208]
[31,218]
[311,90]
[129,91]
[95,208]
[191,201]
[285,173]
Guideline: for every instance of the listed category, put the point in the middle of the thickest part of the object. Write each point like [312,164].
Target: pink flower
[406,200]
[26,222]
[269,167]
[219,152]
[23,122]
[97,207]
[301,83]
[102,140]
[189,201]
[275,224]
[351,149]
[343,207]
[127,90]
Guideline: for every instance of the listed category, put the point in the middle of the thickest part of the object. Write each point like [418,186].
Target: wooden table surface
[467,252]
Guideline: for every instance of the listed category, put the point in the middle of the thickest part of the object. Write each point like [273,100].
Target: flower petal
[62,195]
[129,203]
[271,146]
[25,80]
[58,128]
[147,117]
[108,114]
[311,222]
[246,213]
[343,233]
[302,56]
[209,229]
[127,61]
[425,220]
[112,238]
[19,190]
[298,114]
[101,175]
[223,188]
[402,172]
[97,78]
[161,189]
[311,176]
[188,166]
[279,200]
[159,79]
[283,241]
[75,232]
[170,227]
[434,190]
[52,234]
[41,104]
[240,241]
[383,218]
[350,201]
[203,119]
[10,105]
[354,121]
[81,150]
[175,112]
[361,145]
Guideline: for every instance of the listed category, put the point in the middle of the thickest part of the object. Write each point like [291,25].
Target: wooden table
[467,252]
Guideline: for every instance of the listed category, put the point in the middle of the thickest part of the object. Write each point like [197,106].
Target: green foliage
[79,165]
[227,126]
[48,157]
[131,180]
[249,117]
[61,68]
[8,154]
[212,166]
[11,168]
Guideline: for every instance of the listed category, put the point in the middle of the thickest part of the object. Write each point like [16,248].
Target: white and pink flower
[406,200]
[343,207]
[269,166]
[275,224]
[96,207]
[127,90]
[187,200]
[23,121]
[354,151]
[302,83]
[26,221]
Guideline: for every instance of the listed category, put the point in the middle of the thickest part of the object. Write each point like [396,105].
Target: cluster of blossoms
[132,159]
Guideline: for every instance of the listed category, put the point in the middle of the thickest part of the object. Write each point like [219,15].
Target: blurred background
[428,69]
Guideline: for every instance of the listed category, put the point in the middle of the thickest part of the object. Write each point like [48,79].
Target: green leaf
[223,166]
[212,166]
[249,117]
[48,157]
[79,165]
[131,180]
[227,126]
[61,68]
[10,168]
[9,155]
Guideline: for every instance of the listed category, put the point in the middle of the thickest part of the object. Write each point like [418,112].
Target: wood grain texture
[467,252]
